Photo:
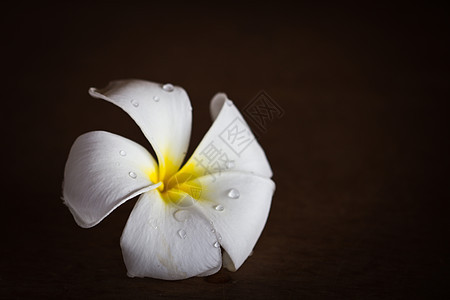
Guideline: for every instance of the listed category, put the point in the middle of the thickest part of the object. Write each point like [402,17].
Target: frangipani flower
[189,221]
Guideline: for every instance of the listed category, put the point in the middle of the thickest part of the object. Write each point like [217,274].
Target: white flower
[219,199]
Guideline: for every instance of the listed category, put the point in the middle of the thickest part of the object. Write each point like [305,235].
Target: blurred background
[359,155]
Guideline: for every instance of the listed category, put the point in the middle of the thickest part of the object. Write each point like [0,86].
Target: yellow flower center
[161,187]
[182,188]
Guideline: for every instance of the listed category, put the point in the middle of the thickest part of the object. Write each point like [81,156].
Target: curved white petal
[164,241]
[163,113]
[229,145]
[104,170]
[238,204]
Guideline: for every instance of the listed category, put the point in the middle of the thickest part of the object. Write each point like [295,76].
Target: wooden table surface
[359,155]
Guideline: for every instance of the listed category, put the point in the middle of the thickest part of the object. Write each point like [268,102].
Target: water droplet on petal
[219,237]
[122,153]
[156,98]
[153,223]
[132,175]
[233,194]
[168,87]
[213,230]
[182,233]
[219,207]
[181,215]
[229,102]
[216,245]
[229,164]
[135,103]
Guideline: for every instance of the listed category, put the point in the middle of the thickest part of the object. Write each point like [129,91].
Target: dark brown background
[359,157]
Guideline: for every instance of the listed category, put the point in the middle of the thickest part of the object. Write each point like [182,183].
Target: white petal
[238,204]
[229,145]
[164,116]
[164,241]
[103,171]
